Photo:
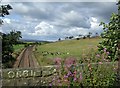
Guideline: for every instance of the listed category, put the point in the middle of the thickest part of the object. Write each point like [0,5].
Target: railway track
[26,59]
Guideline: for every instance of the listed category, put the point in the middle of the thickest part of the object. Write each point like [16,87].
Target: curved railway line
[26,59]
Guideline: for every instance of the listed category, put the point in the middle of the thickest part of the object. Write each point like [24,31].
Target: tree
[7,46]
[15,36]
[8,40]
[71,37]
[119,37]
[77,38]
[96,34]
[66,38]
[4,10]
[111,36]
[89,34]
[84,37]
[80,35]
[59,39]
[7,50]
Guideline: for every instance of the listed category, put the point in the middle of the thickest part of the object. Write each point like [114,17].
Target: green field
[67,48]
[17,49]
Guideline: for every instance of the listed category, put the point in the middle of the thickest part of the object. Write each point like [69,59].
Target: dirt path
[26,59]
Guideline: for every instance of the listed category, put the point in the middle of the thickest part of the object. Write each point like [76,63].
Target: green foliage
[26,45]
[89,34]
[4,10]
[14,36]
[18,48]
[7,47]
[8,40]
[110,35]
[84,37]
[7,50]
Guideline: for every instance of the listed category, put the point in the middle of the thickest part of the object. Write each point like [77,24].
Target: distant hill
[31,40]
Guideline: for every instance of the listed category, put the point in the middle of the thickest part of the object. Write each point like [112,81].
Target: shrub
[111,37]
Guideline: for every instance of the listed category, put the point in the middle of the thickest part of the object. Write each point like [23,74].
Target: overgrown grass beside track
[17,49]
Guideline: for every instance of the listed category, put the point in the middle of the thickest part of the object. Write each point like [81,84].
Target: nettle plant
[111,36]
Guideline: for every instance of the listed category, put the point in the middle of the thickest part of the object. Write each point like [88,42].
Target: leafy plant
[4,10]
[110,35]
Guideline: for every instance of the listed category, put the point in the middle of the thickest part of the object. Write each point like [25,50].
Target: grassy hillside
[64,49]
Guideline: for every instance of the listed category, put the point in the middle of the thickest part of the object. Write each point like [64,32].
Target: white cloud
[84,31]
[50,21]
[94,19]
[21,8]
[44,29]
[6,20]
[94,23]
[43,25]
[77,31]
[1,29]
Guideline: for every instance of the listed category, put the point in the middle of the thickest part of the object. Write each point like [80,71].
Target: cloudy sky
[53,20]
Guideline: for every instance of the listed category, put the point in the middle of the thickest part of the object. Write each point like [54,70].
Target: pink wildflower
[65,76]
[70,61]
[69,73]
[105,49]
[75,72]
[53,79]
[75,78]
[81,76]
[57,61]
[50,84]
[108,52]
[100,62]
[98,55]
[58,81]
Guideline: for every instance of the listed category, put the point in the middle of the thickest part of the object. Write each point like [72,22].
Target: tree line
[89,35]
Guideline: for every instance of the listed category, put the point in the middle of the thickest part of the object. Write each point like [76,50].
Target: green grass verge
[17,49]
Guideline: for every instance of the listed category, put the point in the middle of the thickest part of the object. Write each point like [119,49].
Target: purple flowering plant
[69,74]
[96,72]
